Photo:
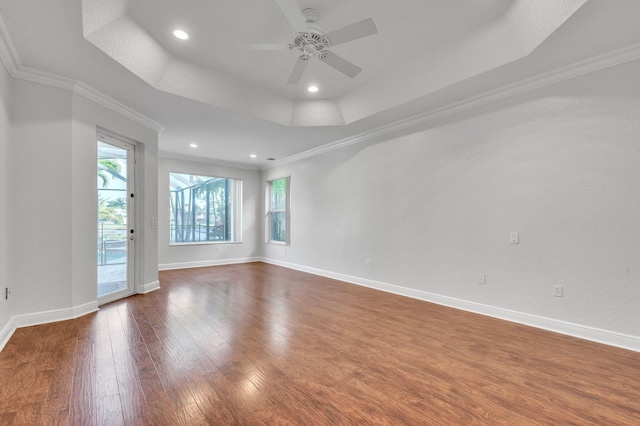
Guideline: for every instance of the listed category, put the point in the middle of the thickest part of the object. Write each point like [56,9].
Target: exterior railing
[112,244]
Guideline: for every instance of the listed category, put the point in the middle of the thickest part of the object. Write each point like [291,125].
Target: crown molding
[15,68]
[42,77]
[193,158]
[597,63]
[8,51]
[11,60]
[90,93]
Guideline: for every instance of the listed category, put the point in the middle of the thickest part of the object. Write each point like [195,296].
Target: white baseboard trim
[203,263]
[149,287]
[606,337]
[44,317]
[6,332]
[85,309]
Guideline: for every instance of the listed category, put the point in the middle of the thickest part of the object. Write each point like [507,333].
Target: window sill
[203,243]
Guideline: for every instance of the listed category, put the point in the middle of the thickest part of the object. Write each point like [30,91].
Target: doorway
[116,225]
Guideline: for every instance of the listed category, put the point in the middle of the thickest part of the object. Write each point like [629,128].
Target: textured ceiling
[221,32]
[427,59]
[403,62]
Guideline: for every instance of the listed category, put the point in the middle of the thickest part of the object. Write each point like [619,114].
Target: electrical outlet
[482,279]
[557,291]
[368,262]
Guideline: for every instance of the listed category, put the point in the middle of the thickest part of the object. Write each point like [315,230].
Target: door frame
[132,191]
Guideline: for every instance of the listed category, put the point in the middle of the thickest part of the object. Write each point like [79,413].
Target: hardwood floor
[257,344]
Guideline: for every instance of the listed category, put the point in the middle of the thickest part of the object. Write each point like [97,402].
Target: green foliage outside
[111,164]
[278,228]
[193,208]
[110,211]
[110,214]
[278,193]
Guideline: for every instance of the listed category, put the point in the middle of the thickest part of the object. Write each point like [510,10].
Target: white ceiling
[233,100]
[221,32]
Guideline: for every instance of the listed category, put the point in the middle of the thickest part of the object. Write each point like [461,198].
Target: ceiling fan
[313,43]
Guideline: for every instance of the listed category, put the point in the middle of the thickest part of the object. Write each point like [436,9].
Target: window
[204,208]
[278,213]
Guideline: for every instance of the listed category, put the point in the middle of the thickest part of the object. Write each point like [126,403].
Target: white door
[116,225]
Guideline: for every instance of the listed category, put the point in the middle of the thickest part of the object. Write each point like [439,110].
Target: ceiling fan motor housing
[311,44]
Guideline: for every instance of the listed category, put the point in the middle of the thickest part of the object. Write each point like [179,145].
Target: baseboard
[44,317]
[6,332]
[606,337]
[85,309]
[148,288]
[204,263]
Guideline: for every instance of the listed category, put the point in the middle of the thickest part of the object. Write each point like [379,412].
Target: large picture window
[204,208]
[278,212]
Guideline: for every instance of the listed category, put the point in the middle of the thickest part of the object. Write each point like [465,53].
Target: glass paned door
[116,235]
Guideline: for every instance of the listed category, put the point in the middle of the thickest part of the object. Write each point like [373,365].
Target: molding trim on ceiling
[15,68]
[90,93]
[597,63]
[193,158]
[11,60]
[8,52]
[509,37]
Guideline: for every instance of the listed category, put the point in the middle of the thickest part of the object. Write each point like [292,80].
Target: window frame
[235,214]
[269,211]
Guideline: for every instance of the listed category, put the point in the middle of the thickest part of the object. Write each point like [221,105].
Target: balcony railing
[112,244]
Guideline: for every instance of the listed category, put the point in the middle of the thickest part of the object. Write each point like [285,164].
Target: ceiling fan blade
[351,32]
[298,69]
[341,64]
[291,11]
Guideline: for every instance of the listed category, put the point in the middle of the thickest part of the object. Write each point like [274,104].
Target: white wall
[40,219]
[177,256]
[54,201]
[87,115]
[5,176]
[434,209]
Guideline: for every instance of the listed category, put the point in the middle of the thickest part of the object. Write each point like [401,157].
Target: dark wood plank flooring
[257,344]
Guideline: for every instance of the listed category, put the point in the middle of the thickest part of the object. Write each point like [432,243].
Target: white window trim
[287,211]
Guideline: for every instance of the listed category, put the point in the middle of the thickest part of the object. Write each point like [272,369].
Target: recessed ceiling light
[181,34]
[313,89]
[253,156]
[193,145]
